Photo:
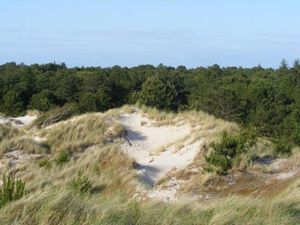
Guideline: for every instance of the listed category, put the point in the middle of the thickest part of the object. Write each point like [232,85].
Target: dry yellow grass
[8,132]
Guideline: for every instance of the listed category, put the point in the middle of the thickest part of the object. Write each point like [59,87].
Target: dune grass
[24,144]
[8,132]
[12,139]
[61,207]
[79,134]
[50,200]
[52,190]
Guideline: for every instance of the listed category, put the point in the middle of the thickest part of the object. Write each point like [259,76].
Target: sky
[134,32]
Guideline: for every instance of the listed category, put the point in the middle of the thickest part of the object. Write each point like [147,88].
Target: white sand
[145,139]
[26,120]
[17,121]
[287,175]
[39,139]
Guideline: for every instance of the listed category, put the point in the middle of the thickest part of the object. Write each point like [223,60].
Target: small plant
[283,148]
[62,158]
[11,190]
[45,163]
[81,184]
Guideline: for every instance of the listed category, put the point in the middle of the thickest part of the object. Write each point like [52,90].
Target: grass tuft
[24,144]
[79,134]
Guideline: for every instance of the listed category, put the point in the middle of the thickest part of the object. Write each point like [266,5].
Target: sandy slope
[153,148]
[161,150]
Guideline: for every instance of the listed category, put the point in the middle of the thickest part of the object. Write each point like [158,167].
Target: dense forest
[267,99]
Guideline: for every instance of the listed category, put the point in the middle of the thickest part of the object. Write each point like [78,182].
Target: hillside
[138,165]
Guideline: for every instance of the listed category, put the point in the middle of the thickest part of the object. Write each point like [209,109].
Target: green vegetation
[268,99]
[282,148]
[226,152]
[12,189]
[81,183]
[160,93]
[42,101]
[62,157]
[229,150]
[45,163]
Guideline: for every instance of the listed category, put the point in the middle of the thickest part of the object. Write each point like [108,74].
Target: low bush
[62,157]
[229,150]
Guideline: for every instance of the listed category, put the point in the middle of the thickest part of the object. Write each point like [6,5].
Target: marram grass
[109,200]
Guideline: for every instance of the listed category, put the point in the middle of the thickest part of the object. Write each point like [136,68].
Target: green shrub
[219,161]
[93,102]
[62,158]
[12,104]
[226,152]
[12,189]
[81,184]
[42,101]
[159,93]
[249,135]
[283,148]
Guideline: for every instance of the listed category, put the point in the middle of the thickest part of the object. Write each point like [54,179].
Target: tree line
[265,98]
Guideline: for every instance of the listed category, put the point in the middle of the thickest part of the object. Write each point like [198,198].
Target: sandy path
[144,139]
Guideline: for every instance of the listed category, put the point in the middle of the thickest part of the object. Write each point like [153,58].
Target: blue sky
[133,32]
